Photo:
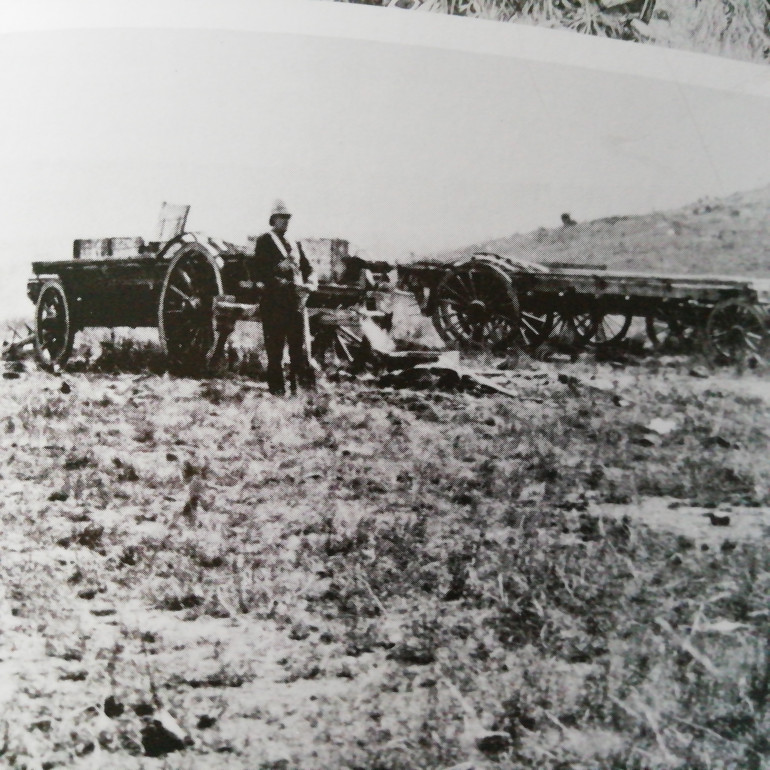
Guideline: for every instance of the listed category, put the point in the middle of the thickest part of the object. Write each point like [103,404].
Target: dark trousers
[284,323]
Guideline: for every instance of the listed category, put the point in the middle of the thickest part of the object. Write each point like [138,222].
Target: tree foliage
[736,28]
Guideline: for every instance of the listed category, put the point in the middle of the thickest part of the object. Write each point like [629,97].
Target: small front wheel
[54,327]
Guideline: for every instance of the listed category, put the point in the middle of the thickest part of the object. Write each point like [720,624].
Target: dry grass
[723,27]
[377,580]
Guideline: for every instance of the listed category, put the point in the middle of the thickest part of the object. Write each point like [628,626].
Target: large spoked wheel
[54,327]
[476,307]
[186,311]
[737,333]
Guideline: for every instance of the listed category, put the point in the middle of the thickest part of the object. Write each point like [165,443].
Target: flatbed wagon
[192,288]
[496,302]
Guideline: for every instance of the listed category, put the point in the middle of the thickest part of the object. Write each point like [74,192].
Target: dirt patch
[705,526]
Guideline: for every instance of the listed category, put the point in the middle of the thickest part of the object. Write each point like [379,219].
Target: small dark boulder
[157,741]
[112,707]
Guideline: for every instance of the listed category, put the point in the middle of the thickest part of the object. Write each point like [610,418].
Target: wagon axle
[477,312]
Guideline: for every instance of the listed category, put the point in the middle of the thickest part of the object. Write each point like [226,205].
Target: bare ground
[385,579]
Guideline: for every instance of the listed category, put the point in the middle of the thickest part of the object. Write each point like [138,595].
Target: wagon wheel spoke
[611,328]
[339,347]
[458,297]
[565,329]
[536,328]
[583,326]
[504,327]
[457,326]
[560,329]
[185,297]
[185,278]
[460,290]
[472,285]
[457,304]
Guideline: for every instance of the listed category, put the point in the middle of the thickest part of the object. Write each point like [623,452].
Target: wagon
[191,287]
[496,302]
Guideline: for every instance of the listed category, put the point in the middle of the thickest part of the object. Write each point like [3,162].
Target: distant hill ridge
[723,235]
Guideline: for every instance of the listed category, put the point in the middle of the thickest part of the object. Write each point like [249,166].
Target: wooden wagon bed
[493,301]
[192,288]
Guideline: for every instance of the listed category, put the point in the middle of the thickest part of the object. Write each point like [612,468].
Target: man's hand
[304,289]
[251,285]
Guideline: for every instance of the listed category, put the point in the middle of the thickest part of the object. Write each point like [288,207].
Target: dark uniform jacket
[280,273]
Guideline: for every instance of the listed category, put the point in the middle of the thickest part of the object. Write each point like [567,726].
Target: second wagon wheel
[54,327]
[567,328]
[186,310]
[337,345]
[611,328]
[668,330]
[737,332]
[476,307]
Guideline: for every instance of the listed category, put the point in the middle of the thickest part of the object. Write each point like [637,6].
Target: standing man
[288,279]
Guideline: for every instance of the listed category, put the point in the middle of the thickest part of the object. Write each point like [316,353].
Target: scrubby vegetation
[197,572]
[737,29]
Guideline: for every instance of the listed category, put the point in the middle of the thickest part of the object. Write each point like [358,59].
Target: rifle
[303,292]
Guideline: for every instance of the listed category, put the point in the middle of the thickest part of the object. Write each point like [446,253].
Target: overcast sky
[399,148]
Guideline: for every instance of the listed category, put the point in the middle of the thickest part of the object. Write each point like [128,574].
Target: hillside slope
[729,235]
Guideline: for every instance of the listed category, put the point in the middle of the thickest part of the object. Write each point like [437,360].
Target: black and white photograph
[386,385]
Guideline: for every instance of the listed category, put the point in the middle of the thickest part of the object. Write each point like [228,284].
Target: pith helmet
[279,210]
